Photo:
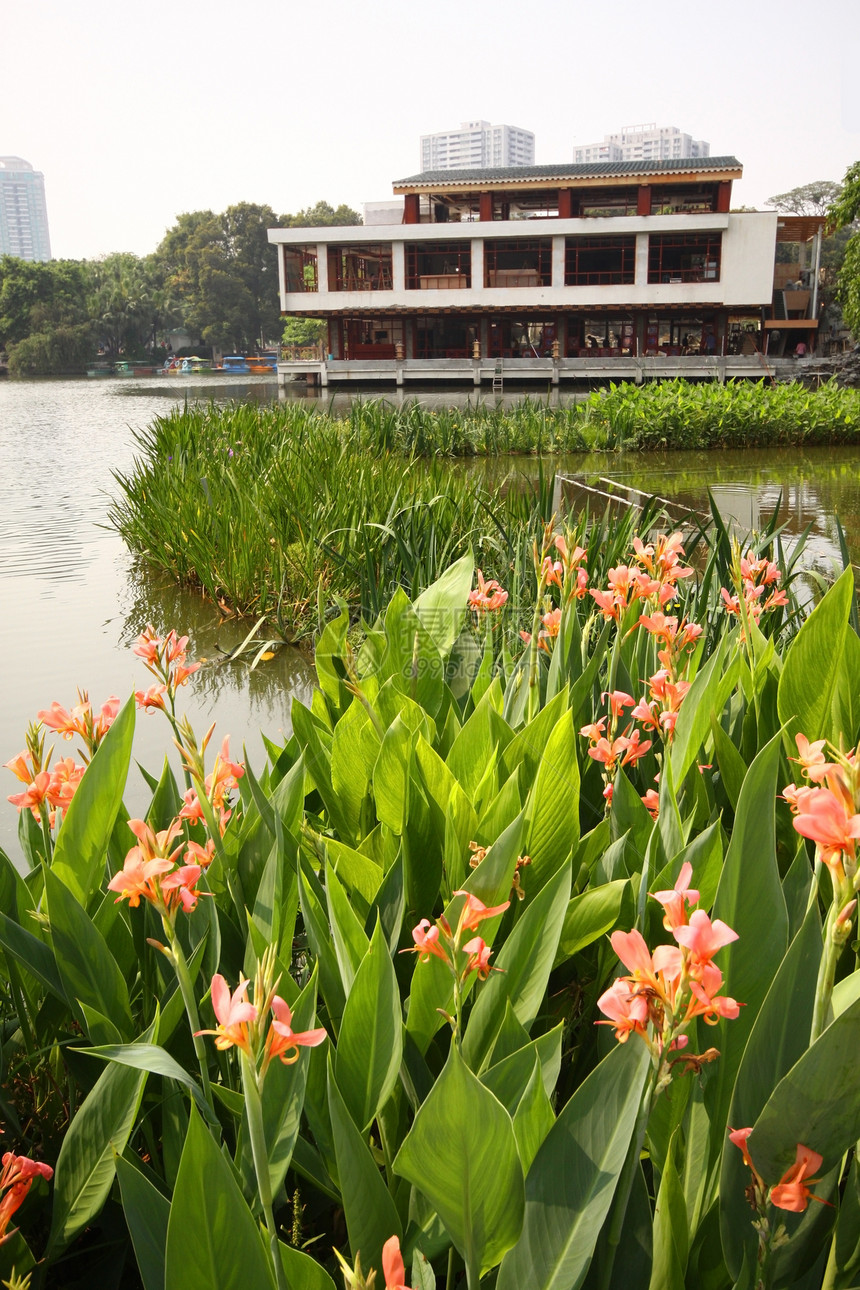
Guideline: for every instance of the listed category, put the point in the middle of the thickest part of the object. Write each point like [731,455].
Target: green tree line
[213,276]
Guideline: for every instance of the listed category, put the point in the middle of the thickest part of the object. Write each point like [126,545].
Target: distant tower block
[23,213]
[477,144]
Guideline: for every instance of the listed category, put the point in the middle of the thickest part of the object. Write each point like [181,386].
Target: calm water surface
[72,600]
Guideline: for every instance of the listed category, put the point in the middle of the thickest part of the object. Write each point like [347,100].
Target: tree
[36,297]
[809,199]
[322,215]
[845,214]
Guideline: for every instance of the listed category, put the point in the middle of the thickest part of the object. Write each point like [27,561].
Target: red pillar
[724,196]
[485,208]
[565,203]
[643,200]
[412,209]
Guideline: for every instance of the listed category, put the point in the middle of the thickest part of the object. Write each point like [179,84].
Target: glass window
[599,260]
[684,257]
[518,262]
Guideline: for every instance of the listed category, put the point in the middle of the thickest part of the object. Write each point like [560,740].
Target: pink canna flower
[178,888]
[635,749]
[826,819]
[675,902]
[651,802]
[233,1014]
[487,597]
[282,1041]
[426,938]
[392,1265]
[739,1138]
[618,701]
[65,723]
[139,877]
[627,1011]
[792,1191]
[475,911]
[151,699]
[607,603]
[479,957]
[34,794]
[702,937]
[21,767]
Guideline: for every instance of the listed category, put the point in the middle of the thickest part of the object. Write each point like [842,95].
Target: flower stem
[826,975]
[254,1111]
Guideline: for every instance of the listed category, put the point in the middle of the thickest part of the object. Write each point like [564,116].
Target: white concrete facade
[477,144]
[745,275]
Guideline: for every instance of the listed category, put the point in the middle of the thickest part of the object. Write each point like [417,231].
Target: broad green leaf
[99,1028]
[779,1038]
[303,1272]
[360,875]
[350,772]
[846,694]
[317,760]
[146,1212]
[371,1216]
[572,1181]
[33,954]
[151,1058]
[213,1240]
[524,964]
[847,1239]
[411,657]
[527,746]
[96,1136]
[533,1118]
[552,832]
[731,764]
[284,1092]
[315,918]
[705,697]
[370,1043]
[88,969]
[507,1077]
[817,1103]
[442,607]
[82,842]
[813,661]
[590,916]
[750,900]
[391,776]
[475,1186]
[671,1239]
[347,933]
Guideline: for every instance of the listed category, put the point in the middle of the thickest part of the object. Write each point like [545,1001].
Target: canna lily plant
[457,907]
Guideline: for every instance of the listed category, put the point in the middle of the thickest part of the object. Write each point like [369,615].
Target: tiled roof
[493,174]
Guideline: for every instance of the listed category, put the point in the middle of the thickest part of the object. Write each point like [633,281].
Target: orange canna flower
[792,1191]
[675,902]
[475,911]
[233,1014]
[17,1175]
[138,877]
[426,938]
[627,1010]
[392,1265]
[282,1041]
[479,957]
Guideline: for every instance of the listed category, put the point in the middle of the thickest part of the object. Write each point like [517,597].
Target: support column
[411,209]
[557,278]
[477,258]
[322,267]
[398,266]
[565,203]
[643,200]
[485,207]
[484,333]
[724,196]
[640,275]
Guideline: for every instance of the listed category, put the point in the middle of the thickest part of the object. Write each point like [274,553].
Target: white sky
[135,113]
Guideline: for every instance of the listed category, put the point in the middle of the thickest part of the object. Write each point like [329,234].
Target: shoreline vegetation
[265,509]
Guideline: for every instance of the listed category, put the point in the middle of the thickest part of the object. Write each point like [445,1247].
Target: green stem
[625,1181]
[183,977]
[826,976]
[46,834]
[259,1151]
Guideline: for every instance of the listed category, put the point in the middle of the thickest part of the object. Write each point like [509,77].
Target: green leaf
[508,1077]
[284,1092]
[146,1213]
[370,1043]
[442,607]
[533,1118]
[347,933]
[33,954]
[817,1103]
[749,898]
[88,969]
[553,808]
[572,1181]
[371,1216]
[706,696]
[315,918]
[303,1272]
[213,1241]
[590,916]
[671,1240]
[82,842]
[477,1188]
[779,1038]
[151,1058]
[391,776]
[812,663]
[524,964]
[96,1136]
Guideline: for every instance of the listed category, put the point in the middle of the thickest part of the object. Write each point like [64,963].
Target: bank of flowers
[512,967]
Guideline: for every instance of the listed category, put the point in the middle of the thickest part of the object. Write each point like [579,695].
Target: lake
[73,599]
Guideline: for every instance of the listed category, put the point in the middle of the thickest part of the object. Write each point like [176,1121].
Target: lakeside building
[621,270]
[23,212]
[648,142]
[477,143]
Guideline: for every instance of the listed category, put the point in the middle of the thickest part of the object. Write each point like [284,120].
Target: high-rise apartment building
[23,213]
[477,143]
[643,143]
